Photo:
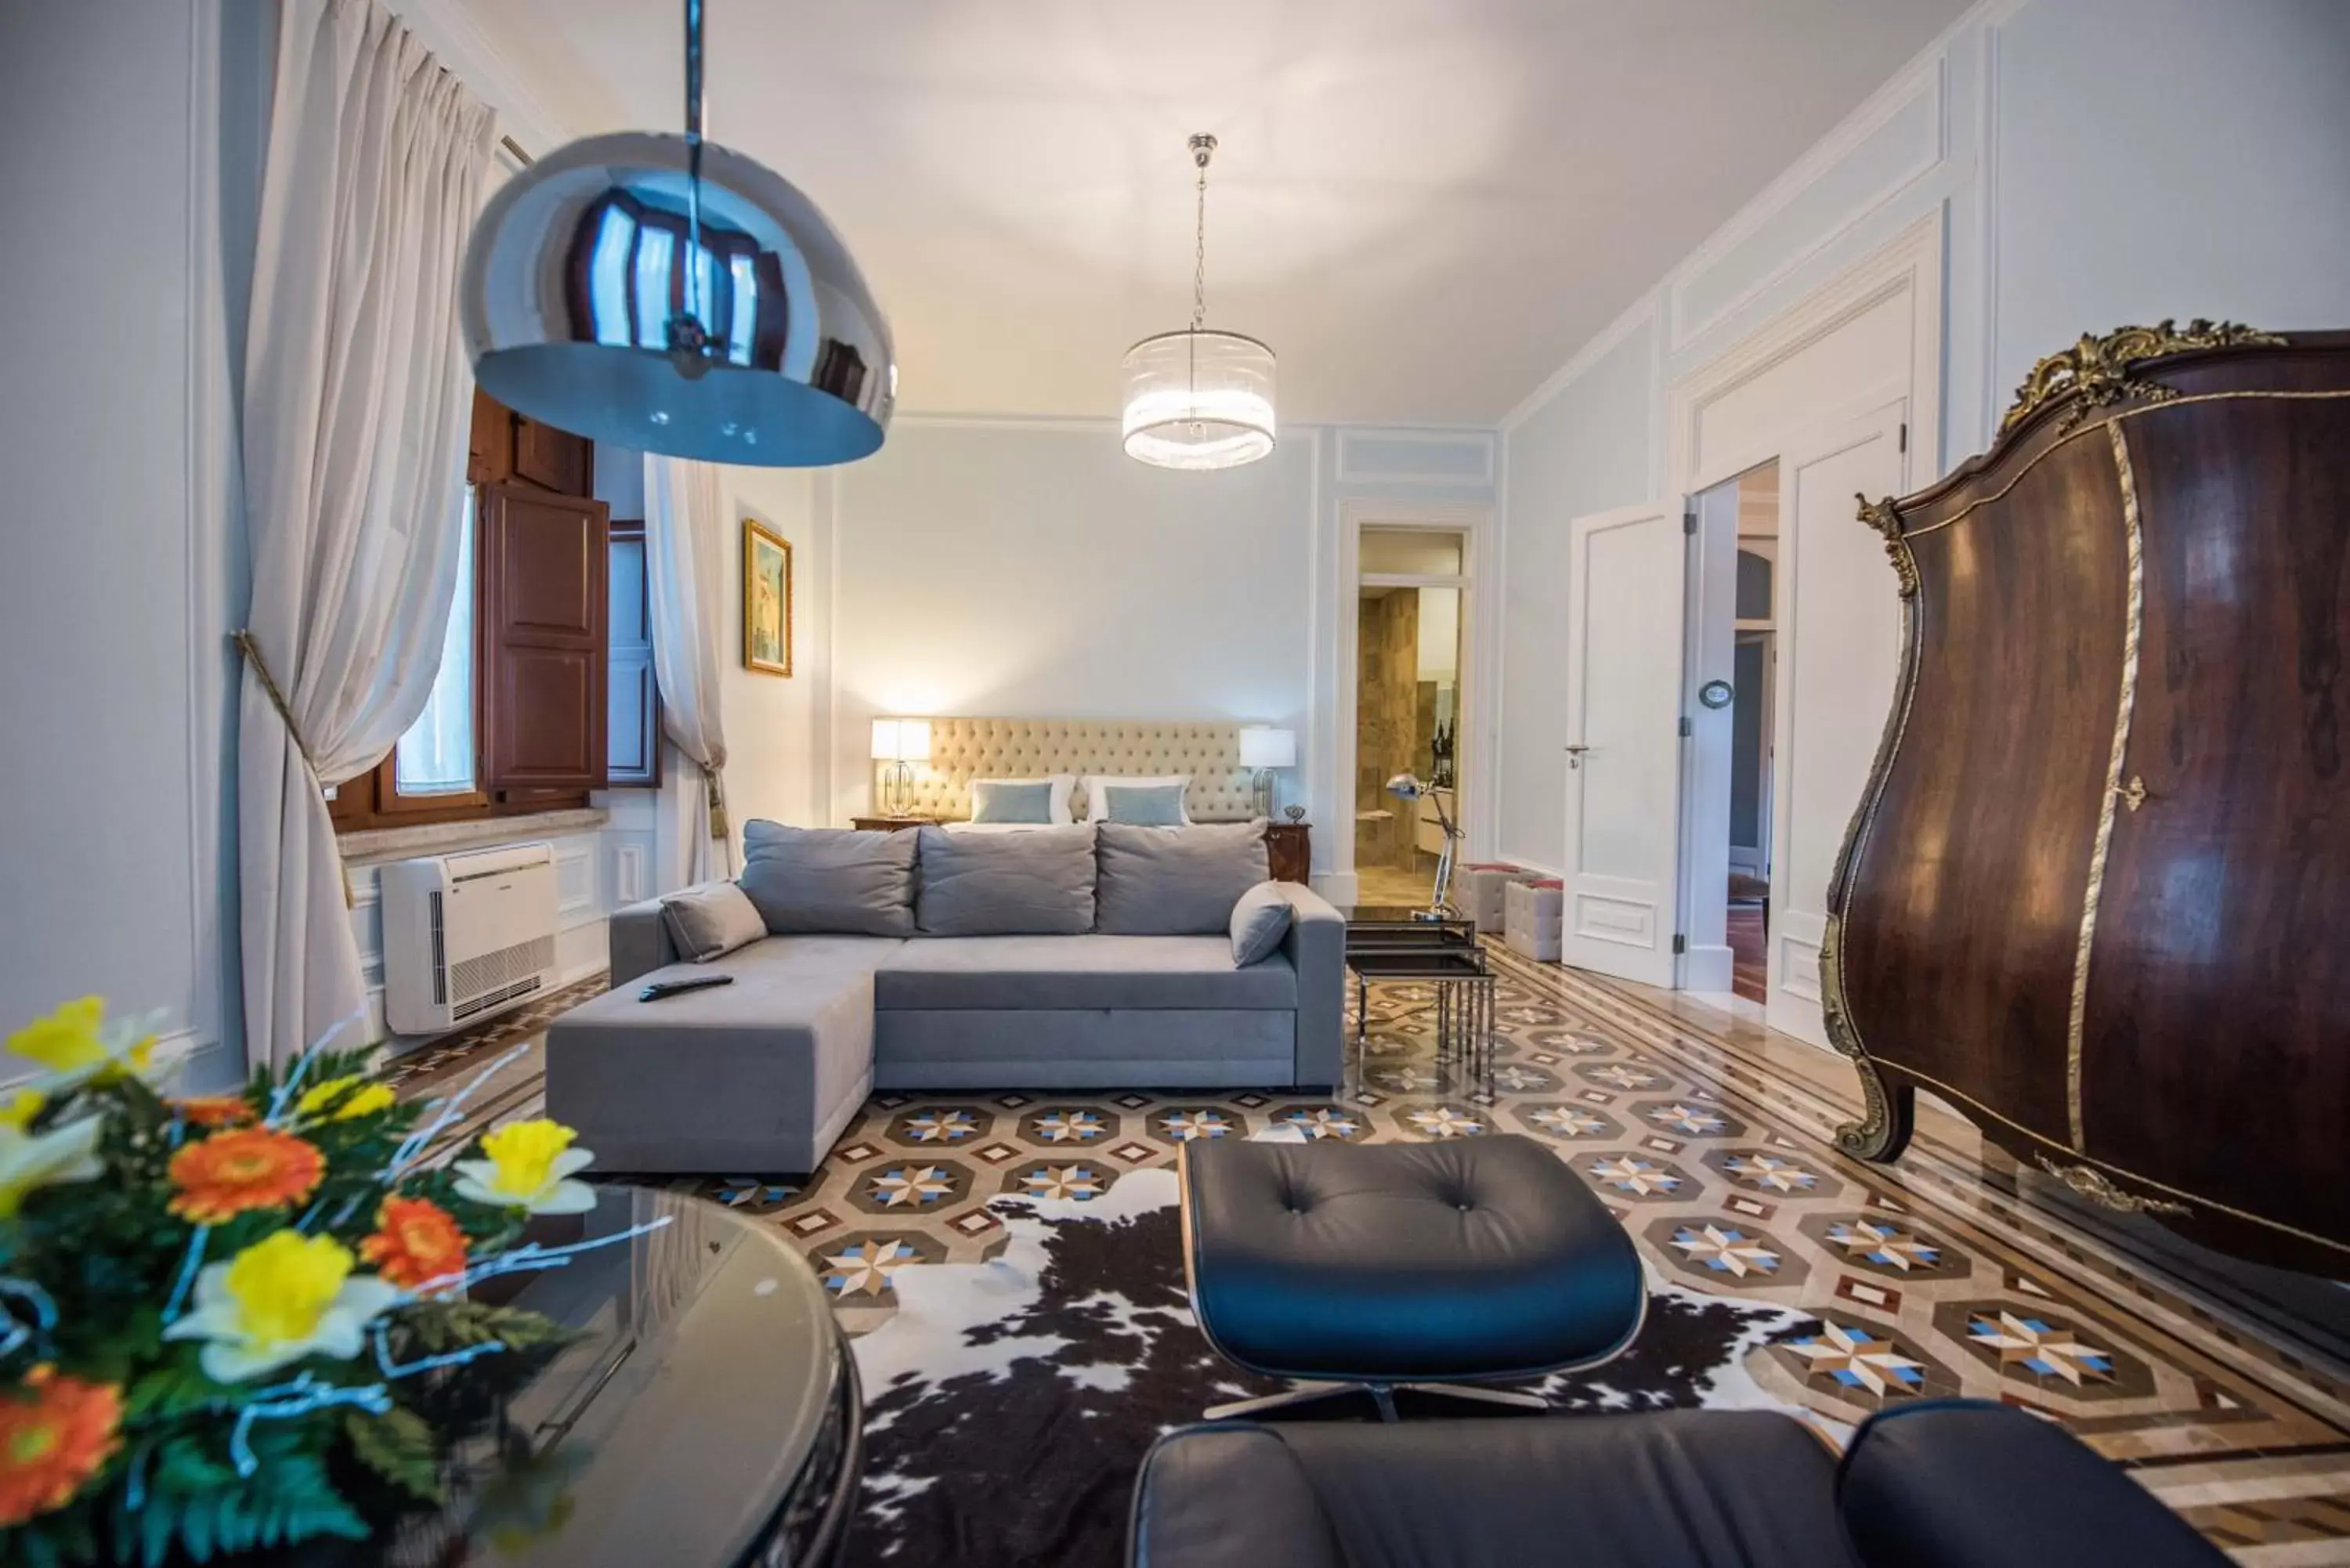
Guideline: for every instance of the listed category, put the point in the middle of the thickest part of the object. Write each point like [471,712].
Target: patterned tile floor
[1709,1141]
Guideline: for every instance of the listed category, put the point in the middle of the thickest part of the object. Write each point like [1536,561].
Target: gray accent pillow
[996,800]
[1259,922]
[806,881]
[1144,805]
[711,920]
[1035,884]
[1175,882]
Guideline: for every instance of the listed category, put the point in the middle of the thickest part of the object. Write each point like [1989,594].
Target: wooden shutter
[545,563]
[555,459]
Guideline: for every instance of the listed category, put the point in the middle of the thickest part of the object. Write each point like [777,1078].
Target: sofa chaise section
[759,1075]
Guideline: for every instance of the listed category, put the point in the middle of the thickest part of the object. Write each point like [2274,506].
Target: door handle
[1575,755]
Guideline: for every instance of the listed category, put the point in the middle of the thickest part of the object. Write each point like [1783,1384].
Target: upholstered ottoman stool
[1375,1267]
[1533,922]
[1489,882]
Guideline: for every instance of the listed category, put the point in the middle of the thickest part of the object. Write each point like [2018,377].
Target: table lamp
[1264,748]
[900,743]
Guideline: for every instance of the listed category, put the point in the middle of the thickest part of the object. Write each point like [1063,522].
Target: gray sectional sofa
[1107,961]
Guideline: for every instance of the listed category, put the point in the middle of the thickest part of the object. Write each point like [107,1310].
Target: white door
[1623,729]
[1839,634]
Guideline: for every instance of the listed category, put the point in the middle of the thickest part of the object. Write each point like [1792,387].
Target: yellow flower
[74,1045]
[29,1161]
[18,1109]
[285,1297]
[528,1166]
[365,1102]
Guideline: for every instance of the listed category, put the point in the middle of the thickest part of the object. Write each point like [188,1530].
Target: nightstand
[1288,851]
[889,823]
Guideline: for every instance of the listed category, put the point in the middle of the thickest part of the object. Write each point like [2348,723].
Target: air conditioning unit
[466,936]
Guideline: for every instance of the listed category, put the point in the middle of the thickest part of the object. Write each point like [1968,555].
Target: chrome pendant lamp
[664,293]
[1197,398]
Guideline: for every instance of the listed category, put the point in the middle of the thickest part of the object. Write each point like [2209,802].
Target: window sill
[434,838]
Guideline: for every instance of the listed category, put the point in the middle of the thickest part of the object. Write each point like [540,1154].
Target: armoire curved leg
[1889,1118]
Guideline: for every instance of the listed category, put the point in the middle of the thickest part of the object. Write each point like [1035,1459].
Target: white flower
[31,1160]
[285,1297]
[529,1167]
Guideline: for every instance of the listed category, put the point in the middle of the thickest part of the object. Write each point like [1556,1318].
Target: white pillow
[1064,786]
[1097,801]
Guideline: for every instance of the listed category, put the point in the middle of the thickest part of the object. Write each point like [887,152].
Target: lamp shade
[1199,400]
[1263,746]
[580,266]
[901,739]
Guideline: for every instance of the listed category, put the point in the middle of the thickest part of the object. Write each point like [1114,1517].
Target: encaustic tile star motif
[940,1127]
[2039,1347]
[1518,1080]
[911,1185]
[1189,1125]
[1443,1121]
[1637,1176]
[1566,1121]
[1068,1127]
[1884,1245]
[1685,1118]
[750,1192]
[1859,1359]
[1323,1122]
[1730,1252]
[1076,1182]
[865,1269]
[1625,1077]
[1771,1171]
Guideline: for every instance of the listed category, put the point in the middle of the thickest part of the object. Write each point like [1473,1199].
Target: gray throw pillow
[1259,922]
[995,800]
[711,920]
[1035,884]
[1144,805]
[806,881]
[1175,882]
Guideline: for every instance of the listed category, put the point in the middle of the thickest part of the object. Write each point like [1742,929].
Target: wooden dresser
[2096,893]
[1289,851]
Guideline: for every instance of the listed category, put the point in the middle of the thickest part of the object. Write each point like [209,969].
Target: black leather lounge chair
[1939,1484]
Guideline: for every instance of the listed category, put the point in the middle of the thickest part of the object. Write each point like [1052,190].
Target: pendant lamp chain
[1202,147]
[689,339]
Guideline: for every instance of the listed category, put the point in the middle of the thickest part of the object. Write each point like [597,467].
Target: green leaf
[442,1326]
[398,1445]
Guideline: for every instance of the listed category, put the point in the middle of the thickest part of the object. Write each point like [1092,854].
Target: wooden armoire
[2096,893]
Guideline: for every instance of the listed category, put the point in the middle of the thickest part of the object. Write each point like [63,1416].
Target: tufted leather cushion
[1695,1489]
[1482,1258]
[962,750]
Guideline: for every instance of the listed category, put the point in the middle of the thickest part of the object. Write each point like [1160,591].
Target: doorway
[1754,663]
[1411,613]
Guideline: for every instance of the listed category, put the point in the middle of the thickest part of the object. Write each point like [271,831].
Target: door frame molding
[1480,653]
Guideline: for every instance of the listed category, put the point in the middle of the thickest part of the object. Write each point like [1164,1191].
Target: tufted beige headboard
[962,750]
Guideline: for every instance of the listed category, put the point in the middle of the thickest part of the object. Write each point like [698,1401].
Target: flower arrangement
[224,1319]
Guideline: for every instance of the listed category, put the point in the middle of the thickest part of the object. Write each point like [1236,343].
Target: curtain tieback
[713,794]
[249,647]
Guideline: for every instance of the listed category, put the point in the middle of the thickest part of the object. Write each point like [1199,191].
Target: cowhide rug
[1010,1402]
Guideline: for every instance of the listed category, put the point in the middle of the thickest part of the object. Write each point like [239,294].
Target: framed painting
[766,599]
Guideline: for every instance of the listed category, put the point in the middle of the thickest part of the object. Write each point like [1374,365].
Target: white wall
[2090,162]
[125,568]
[777,728]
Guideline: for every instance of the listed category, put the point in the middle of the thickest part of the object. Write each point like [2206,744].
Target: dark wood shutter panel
[544,573]
[555,459]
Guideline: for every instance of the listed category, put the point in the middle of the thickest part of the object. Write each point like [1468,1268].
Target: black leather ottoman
[1378,1266]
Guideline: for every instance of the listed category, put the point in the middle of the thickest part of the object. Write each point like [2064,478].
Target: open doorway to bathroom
[1754,683]
[1411,622]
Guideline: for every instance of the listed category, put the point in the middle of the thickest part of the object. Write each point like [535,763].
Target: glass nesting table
[1407,947]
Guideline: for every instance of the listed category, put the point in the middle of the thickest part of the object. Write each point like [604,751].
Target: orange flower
[415,1242]
[54,1434]
[224,1175]
[214,1110]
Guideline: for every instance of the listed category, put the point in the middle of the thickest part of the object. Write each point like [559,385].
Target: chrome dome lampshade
[664,293]
[1197,398]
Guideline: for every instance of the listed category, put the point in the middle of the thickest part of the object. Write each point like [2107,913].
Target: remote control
[661,988]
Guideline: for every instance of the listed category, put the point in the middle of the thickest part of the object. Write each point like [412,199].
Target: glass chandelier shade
[1198,398]
[665,293]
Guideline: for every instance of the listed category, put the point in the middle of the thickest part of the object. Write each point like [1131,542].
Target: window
[438,756]
[547,621]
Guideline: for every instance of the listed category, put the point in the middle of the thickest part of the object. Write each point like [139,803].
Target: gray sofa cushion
[1055,973]
[810,881]
[711,920]
[1175,882]
[1039,883]
[1259,922]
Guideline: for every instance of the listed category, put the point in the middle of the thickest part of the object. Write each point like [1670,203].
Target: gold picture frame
[766,599]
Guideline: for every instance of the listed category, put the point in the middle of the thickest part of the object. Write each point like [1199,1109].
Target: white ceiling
[1425,206]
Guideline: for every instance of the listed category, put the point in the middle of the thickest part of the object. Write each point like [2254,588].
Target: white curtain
[685,579]
[356,397]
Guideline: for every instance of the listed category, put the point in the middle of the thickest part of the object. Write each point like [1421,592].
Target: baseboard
[1708,969]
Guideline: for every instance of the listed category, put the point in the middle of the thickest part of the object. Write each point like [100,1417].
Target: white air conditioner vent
[466,936]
